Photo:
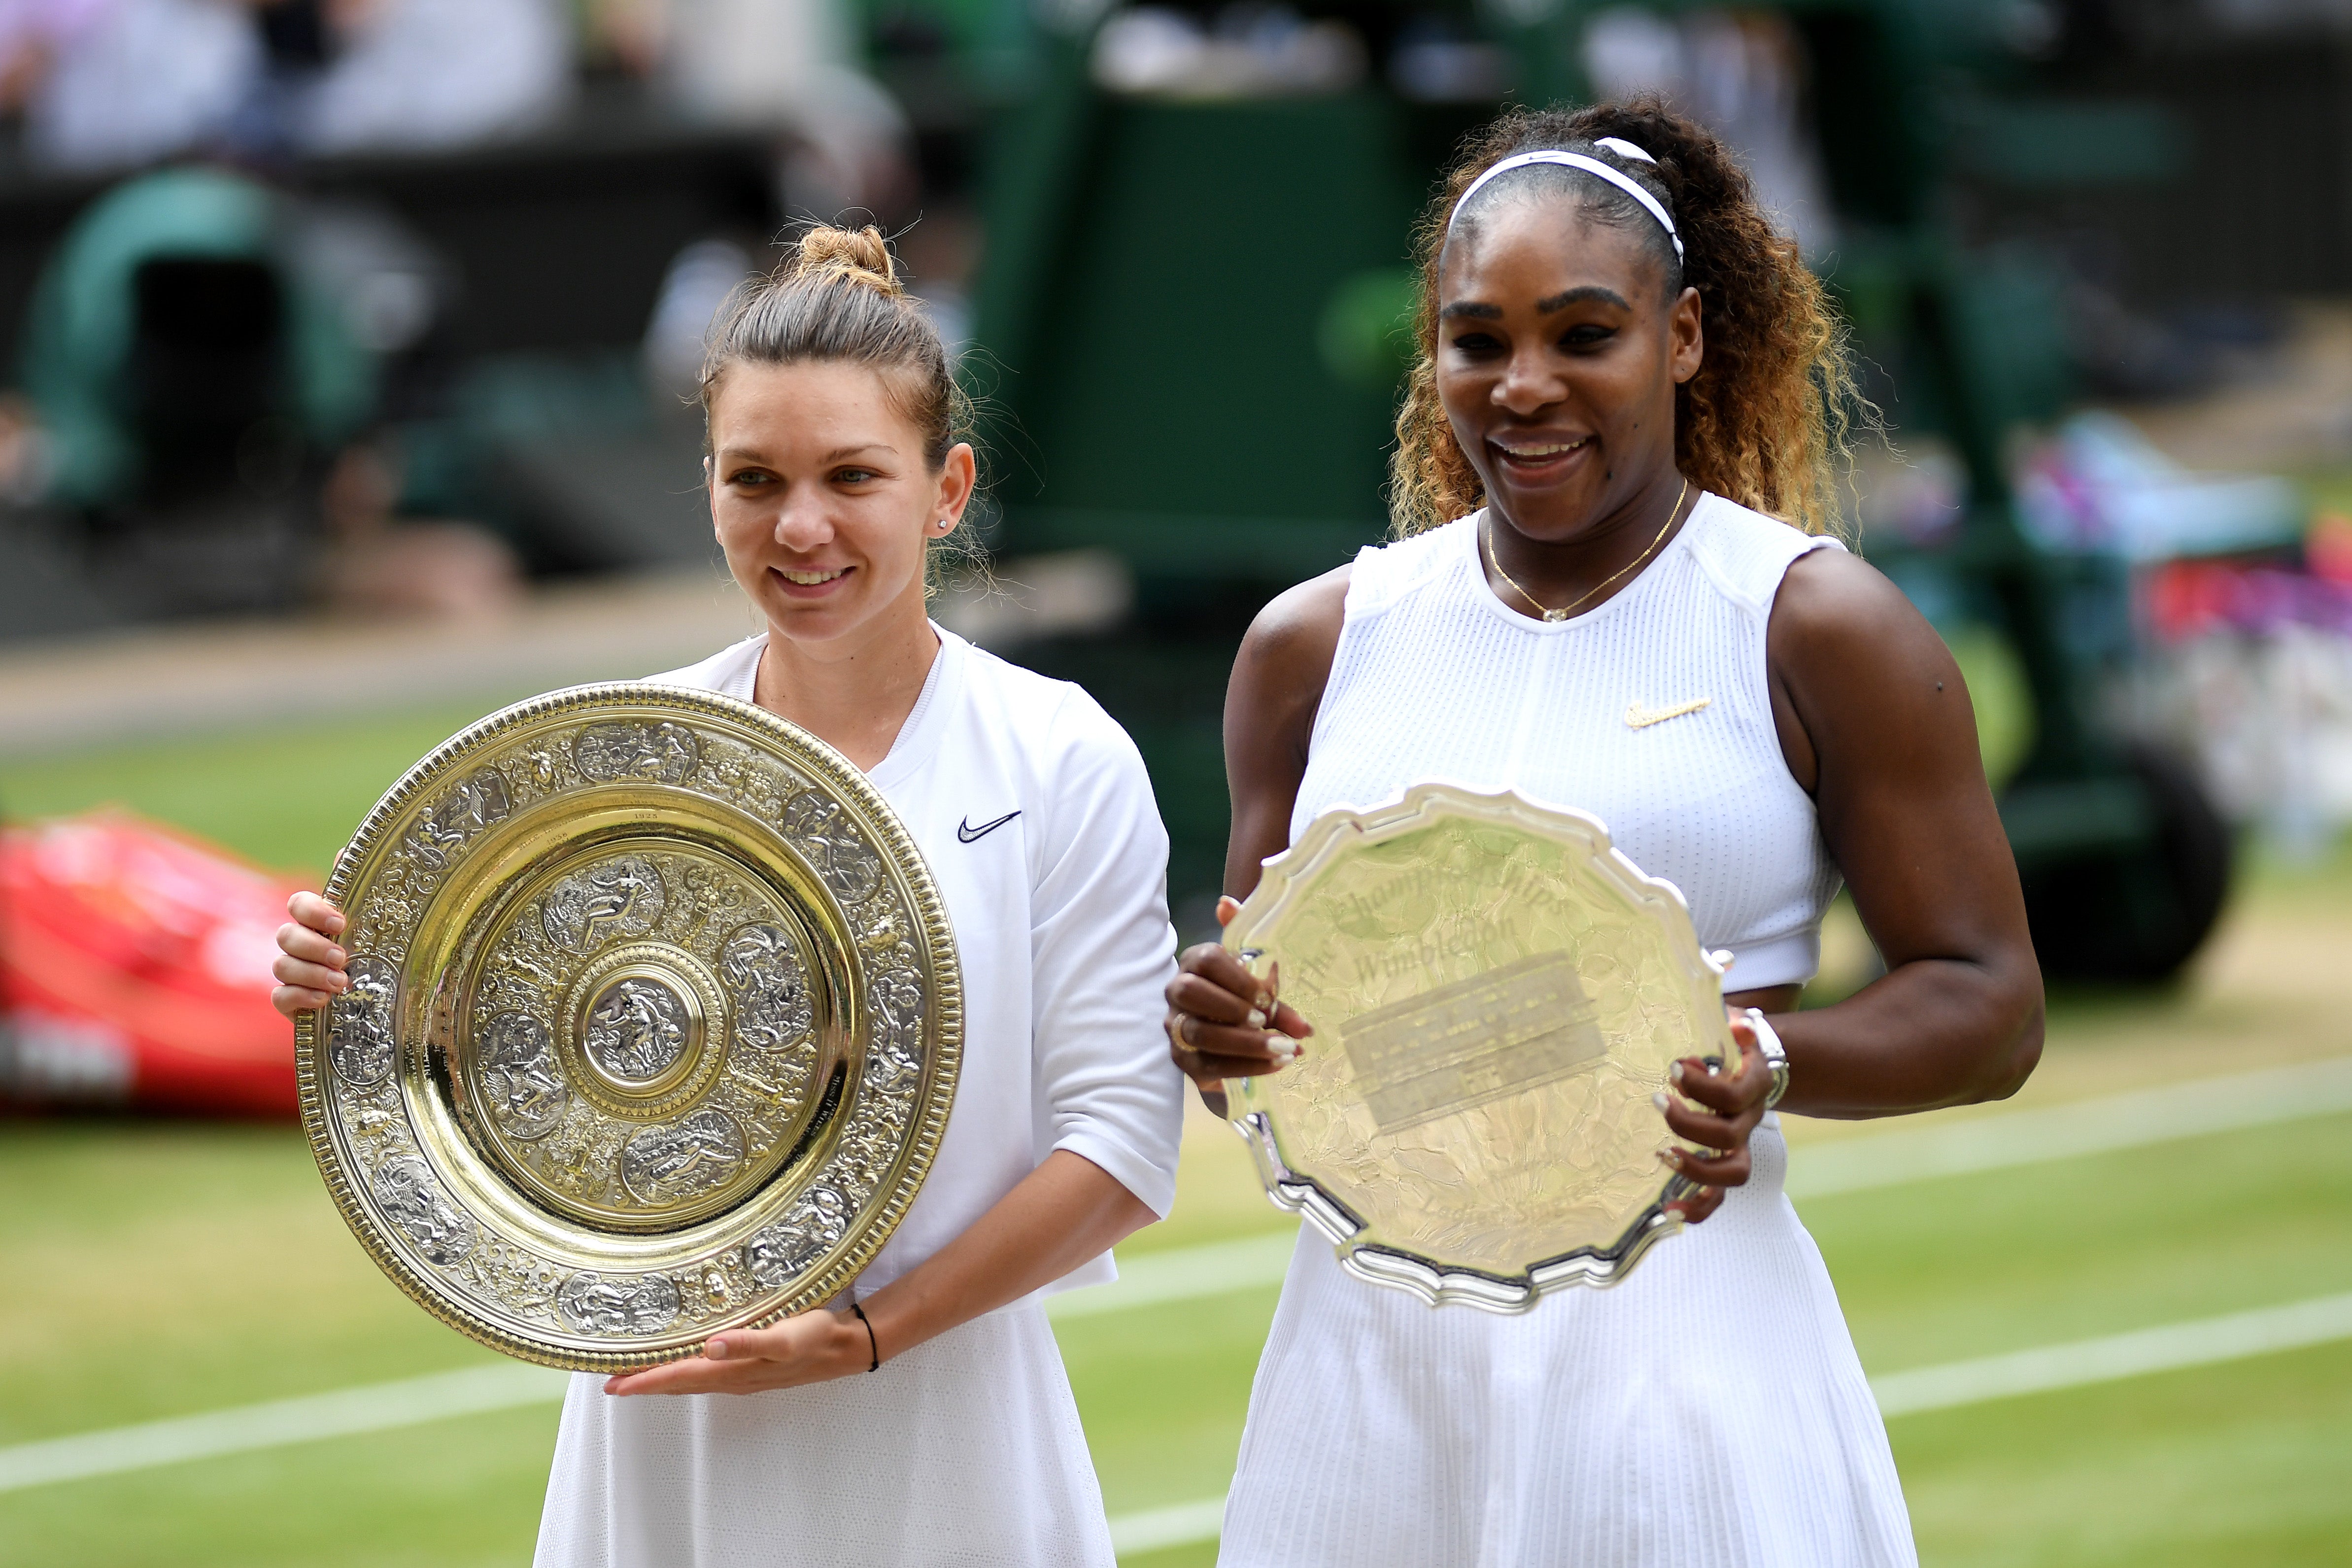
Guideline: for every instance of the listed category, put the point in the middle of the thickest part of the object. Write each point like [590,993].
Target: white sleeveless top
[1598,1429]
[1651,712]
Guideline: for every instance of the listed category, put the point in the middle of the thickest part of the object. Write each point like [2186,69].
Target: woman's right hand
[310,962]
[1225,1022]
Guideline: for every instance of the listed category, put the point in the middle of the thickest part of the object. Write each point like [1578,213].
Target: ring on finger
[1176,1036]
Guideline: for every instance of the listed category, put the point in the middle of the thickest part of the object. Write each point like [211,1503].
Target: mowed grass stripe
[1148,1278]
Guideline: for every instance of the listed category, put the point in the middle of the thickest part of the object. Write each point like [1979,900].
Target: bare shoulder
[1863,688]
[1301,624]
[1836,613]
[1285,659]
[1277,685]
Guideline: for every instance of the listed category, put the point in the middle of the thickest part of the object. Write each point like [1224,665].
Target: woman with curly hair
[1612,589]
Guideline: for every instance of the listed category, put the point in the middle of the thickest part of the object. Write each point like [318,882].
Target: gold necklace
[1567,610]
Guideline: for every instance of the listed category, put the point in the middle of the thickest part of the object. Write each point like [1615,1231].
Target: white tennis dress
[1033,813]
[1709,1412]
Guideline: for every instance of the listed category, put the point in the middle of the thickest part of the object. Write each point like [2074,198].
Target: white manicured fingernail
[1675,1073]
[1662,1102]
[1256,1019]
[1281,1047]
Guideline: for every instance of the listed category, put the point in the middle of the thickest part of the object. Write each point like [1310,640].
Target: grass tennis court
[159,1270]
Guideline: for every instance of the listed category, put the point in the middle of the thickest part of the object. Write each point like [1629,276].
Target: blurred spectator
[116,83]
[377,566]
[199,380]
[2099,485]
[113,83]
[434,73]
[1247,50]
[699,280]
[111,338]
[1742,74]
[783,64]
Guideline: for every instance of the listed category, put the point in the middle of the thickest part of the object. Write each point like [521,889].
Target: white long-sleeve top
[1033,810]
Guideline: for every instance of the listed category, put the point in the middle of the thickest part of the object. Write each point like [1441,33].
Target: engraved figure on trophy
[659,753]
[683,1160]
[790,1247]
[413,1200]
[826,835]
[361,1038]
[622,897]
[627,1304]
[762,974]
[472,804]
[519,1077]
[896,996]
[637,1029]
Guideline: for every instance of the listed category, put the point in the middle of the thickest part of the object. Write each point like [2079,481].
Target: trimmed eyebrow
[1591,294]
[839,454]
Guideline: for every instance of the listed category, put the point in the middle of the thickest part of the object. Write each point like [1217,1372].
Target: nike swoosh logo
[1640,718]
[971,835]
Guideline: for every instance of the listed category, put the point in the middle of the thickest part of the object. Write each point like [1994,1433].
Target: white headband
[1623,182]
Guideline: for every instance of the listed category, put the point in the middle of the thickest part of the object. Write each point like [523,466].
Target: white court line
[1151,1279]
[2171,1348]
[374,1407]
[1915,1153]
[2132,1119]
[1182,1274]
[1157,1528]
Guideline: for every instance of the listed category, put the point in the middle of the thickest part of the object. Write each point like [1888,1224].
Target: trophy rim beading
[902,860]
[1287,876]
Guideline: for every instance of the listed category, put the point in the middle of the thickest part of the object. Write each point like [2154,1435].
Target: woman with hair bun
[1610,589]
[925,1417]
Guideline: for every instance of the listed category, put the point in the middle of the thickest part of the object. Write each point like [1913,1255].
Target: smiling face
[823,500]
[1558,356]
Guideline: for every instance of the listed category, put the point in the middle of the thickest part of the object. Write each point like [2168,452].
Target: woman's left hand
[809,1347]
[1716,1112]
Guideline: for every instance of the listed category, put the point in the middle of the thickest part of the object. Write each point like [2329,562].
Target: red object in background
[134,969]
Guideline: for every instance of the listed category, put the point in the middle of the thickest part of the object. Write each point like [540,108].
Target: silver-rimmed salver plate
[1497,994]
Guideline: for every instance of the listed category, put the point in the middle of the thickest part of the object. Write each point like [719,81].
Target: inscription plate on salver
[1498,995]
[1474,1041]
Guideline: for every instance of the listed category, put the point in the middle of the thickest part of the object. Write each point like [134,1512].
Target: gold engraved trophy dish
[652,1027]
[1496,994]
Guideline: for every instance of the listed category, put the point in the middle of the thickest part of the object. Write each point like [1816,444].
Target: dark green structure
[1188,308]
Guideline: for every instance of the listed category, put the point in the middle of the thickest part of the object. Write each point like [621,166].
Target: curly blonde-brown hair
[1766,421]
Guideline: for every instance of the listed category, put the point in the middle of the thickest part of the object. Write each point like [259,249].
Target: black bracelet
[871,1343]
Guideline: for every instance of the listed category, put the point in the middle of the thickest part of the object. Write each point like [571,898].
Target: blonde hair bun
[860,255]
